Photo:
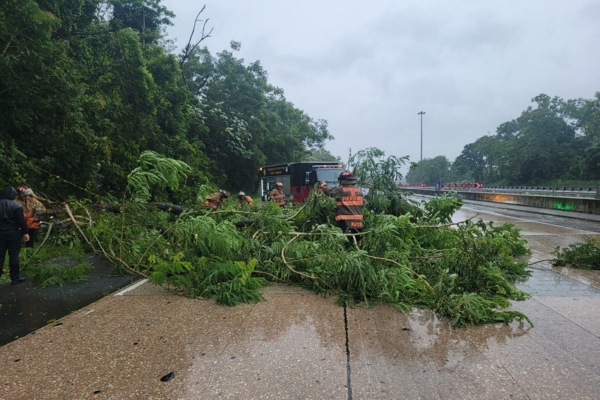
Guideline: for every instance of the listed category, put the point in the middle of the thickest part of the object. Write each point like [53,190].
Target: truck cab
[320,174]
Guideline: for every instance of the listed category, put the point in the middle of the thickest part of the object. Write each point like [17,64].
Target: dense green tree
[542,148]
[292,132]
[542,145]
[248,121]
[34,87]
[590,118]
[485,159]
[320,154]
[230,97]
[81,110]
[589,123]
[471,162]
[75,16]
[435,170]
[148,17]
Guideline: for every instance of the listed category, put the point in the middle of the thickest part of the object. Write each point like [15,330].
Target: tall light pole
[421,166]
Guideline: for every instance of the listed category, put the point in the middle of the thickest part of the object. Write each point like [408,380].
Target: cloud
[368,68]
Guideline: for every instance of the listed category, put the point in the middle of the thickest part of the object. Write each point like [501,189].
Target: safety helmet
[241,194]
[279,184]
[346,176]
[223,193]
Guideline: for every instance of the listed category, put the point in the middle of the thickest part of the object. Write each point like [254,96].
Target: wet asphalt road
[24,308]
[568,219]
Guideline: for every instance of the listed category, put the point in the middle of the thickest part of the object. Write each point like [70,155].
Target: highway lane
[588,222]
[570,219]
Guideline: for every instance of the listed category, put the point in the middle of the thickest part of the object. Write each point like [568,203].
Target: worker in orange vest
[349,211]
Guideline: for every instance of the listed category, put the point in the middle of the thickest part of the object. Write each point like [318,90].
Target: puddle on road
[383,336]
[589,277]
[26,308]
[549,282]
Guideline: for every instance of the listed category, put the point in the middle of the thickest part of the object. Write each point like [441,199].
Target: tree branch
[7,46]
[405,268]
[189,48]
[292,269]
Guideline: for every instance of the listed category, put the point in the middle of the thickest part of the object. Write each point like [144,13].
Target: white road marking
[130,288]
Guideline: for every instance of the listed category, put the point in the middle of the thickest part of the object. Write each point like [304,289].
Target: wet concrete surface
[25,308]
[298,345]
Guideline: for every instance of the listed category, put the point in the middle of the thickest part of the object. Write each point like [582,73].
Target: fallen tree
[465,270]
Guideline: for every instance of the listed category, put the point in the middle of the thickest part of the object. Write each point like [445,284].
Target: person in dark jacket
[349,212]
[13,230]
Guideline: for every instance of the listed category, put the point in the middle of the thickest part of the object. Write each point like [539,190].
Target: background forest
[556,141]
[88,85]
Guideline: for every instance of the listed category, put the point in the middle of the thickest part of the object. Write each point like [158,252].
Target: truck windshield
[329,175]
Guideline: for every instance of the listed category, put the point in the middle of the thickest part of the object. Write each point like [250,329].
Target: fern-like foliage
[203,236]
[155,172]
[56,275]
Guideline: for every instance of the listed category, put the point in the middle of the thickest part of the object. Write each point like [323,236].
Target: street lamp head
[421,113]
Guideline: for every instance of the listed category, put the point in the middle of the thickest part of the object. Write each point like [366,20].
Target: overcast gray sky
[368,68]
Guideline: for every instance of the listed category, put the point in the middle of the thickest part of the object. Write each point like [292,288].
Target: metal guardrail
[564,191]
[578,202]
[540,191]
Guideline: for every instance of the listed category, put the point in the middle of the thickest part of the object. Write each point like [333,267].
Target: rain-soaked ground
[25,308]
[145,343]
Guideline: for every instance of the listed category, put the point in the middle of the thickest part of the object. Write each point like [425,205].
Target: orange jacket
[31,208]
[350,203]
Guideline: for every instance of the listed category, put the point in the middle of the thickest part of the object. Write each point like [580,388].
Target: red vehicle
[298,178]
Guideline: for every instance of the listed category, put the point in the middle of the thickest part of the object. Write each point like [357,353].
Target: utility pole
[421,166]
